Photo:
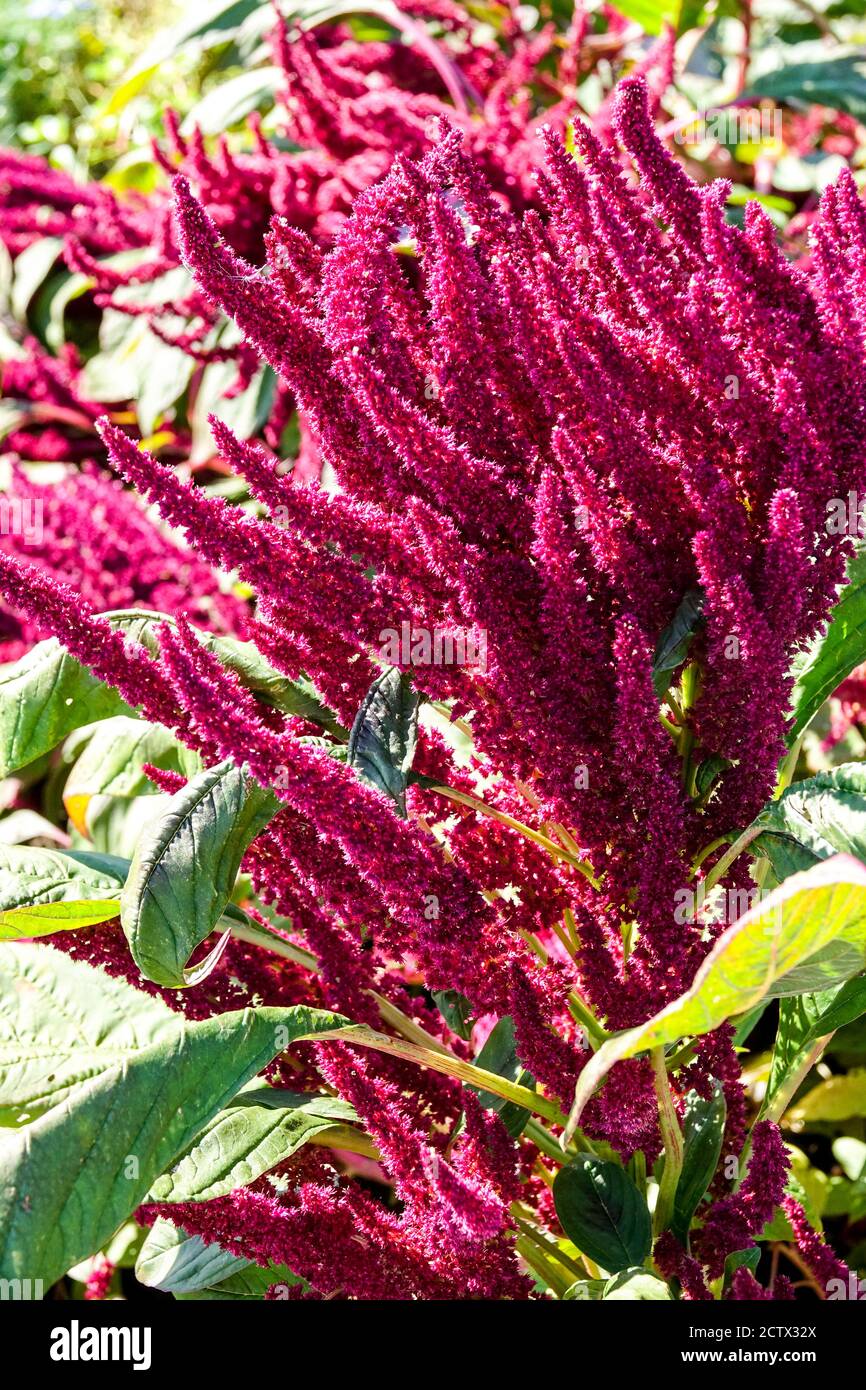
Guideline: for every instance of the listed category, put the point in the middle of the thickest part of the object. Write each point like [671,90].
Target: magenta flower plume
[569,458]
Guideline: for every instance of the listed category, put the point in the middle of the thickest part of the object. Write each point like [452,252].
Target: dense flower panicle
[555,421]
[661,330]
[825,1266]
[733,1222]
[746,1289]
[346,109]
[37,201]
[91,534]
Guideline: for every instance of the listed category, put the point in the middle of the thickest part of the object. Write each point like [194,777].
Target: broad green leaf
[652,15]
[602,1212]
[245,414]
[499,1055]
[202,27]
[106,1087]
[838,1098]
[43,697]
[703,1130]
[178,1263]
[838,82]
[831,657]
[49,311]
[32,267]
[808,934]
[47,694]
[815,819]
[795,1035]
[184,869]
[117,823]
[45,890]
[673,645]
[111,764]
[846,1006]
[383,737]
[636,1286]
[456,1011]
[23,825]
[225,105]
[248,1285]
[585,1291]
[850,1154]
[260,1128]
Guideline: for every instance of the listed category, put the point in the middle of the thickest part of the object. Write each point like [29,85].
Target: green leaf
[106,1087]
[585,1291]
[652,15]
[32,267]
[225,105]
[602,1212]
[847,1005]
[203,27]
[838,82]
[832,657]
[850,1154]
[47,694]
[499,1056]
[111,765]
[808,934]
[383,737]
[43,697]
[831,1101]
[260,1128]
[245,1285]
[456,1011]
[673,645]
[184,869]
[44,890]
[789,1064]
[245,414]
[703,1130]
[636,1286]
[178,1263]
[815,819]
[53,299]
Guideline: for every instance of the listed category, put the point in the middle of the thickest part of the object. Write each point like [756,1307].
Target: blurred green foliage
[62,61]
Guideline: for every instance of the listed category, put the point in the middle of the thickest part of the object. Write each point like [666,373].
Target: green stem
[359,1035]
[540,1264]
[554,850]
[718,871]
[794,1081]
[789,767]
[543,1140]
[673,1142]
[582,1015]
[551,1250]
[707,851]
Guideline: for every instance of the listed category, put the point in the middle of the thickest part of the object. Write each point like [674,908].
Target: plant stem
[582,1014]
[540,1265]
[794,1081]
[789,767]
[555,851]
[707,851]
[543,1141]
[359,1035]
[673,1142]
[719,870]
[550,1248]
